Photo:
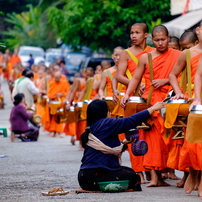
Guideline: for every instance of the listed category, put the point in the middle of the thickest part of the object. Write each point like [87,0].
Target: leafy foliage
[103,23]
[30,28]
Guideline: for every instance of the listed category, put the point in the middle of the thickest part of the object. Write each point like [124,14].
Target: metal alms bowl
[55,102]
[196,109]
[79,104]
[136,99]
[87,101]
[177,101]
[71,109]
[169,101]
[163,110]
[109,98]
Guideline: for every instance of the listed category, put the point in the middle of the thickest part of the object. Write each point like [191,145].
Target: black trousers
[32,133]
[89,178]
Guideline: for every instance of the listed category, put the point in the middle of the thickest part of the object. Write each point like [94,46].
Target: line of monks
[132,68]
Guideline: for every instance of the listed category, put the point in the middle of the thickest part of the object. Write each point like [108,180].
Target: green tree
[30,28]
[103,23]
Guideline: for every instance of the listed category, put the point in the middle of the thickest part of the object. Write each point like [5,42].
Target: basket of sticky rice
[114,186]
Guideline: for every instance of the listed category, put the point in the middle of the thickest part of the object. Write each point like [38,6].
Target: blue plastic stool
[4,131]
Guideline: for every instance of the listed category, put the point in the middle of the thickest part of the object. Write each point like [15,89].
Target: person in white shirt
[28,88]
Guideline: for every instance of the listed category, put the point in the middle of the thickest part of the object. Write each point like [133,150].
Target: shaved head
[105,63]
[174,43]
[57,76]
[174,39]
[159,29]
[56,68]
[118,47]
[189,35]
[143,25]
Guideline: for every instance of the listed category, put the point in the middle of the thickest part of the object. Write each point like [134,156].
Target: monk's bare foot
[141,177]
[200,188]
[148,175]
[162,183]
[172,176]
[51,134]
[164,175]
[154,179]
[198,178]
[191,181]
[61,135]
[182,181]
[80,148]
[72,140]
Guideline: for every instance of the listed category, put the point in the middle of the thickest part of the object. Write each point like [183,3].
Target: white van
[37,53]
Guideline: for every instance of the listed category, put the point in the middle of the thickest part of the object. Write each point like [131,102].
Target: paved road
[35,167]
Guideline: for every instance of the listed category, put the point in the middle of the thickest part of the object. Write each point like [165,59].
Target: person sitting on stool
[19,120]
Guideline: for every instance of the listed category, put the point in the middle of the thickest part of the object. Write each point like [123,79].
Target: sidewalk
[35,167]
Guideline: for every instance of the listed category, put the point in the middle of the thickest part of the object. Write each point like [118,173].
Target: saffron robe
[61,87]
[190,155]
[157,155]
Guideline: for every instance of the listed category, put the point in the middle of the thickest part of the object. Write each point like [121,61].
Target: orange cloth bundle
[133,108]
[172,111]
[118,110]
[73,116]
[54,106]
[194,124]
[84,111]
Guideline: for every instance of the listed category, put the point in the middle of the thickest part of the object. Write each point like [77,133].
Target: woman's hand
[131,141]
[156,107]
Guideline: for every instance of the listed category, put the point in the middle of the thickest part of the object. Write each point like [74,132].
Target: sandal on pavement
[55,192]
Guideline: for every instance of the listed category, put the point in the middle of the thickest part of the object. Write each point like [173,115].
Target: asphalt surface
[34,167]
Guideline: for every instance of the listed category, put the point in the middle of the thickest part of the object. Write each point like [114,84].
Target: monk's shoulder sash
[151,77]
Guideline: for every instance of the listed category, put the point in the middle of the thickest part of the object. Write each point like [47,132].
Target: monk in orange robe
[58,89]
[187,40]
[77,90]
[106,74]
[138,48]
[163,59]
[197,101]
[190,155]
[15,58]
[41,85]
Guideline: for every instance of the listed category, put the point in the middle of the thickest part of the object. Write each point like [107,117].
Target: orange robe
[190,155]
[36,76]
[39,107]
[95,92]
[9,68]
[131,64]
[14,59]
[75,129]
[61,87]
[157,155]
[137,161]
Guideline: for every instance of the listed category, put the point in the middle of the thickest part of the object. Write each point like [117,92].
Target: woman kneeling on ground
[100,164]
[19,120]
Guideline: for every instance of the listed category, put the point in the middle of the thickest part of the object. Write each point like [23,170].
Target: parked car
[37,54]
[73,62]
[51,57]
[94,62]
